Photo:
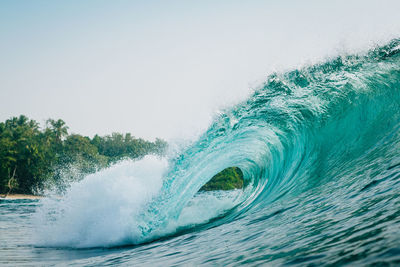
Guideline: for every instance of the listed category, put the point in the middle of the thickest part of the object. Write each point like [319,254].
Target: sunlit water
[319,148]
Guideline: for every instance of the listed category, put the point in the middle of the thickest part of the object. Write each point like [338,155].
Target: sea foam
[103,208]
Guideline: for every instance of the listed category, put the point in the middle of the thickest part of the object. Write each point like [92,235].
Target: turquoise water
[319,147]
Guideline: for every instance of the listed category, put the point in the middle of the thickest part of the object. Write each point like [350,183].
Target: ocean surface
[319,147]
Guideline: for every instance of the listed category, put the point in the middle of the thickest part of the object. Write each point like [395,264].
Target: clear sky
[163,68]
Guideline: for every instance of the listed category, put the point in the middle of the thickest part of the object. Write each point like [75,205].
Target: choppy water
[319,146]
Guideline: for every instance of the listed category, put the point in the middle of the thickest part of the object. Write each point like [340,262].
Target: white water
[102,209]
[106,208]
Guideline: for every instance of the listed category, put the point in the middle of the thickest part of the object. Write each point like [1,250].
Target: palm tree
[59,129]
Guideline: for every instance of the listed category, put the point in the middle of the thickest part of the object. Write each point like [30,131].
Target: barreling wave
[332,127]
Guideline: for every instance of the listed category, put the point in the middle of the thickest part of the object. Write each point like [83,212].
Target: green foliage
[30,158]
[58,129]
[228,179]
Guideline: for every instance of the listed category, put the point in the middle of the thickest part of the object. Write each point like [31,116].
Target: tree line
[31,158]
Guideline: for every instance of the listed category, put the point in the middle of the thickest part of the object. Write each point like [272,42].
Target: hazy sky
[163,68]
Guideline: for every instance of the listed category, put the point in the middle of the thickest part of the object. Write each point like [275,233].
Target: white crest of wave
[102,209]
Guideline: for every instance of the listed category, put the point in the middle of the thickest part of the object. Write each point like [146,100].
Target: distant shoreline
[19,196]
